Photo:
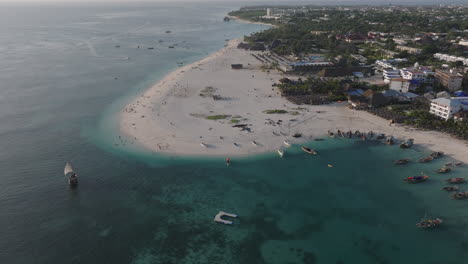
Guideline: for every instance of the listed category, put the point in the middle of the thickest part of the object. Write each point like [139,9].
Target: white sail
[68,169]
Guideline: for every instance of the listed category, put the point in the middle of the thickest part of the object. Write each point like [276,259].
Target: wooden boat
[416,179]
[357,133]
[450,188]
[429,223]
[407,144]
[309,150]
[426,159]
[444,170]
[401,161]
[448,164]
[287,143]
[73,177]
[204,145]
[459,163]
[436,154]
[381,136]
[459,195]
[349,134]
[456,180]
[280,152]
[370,134]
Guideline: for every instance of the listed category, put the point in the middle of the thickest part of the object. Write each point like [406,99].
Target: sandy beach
[202,102]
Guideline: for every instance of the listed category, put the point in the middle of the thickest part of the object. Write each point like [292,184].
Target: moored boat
[280,152]
[436,154]
[426,159]
[287,143]
[416,179]
[370,134]
[456,180]
[407,144]
[444,170]
[228,162]
[381,136]
[309,150]
[450,188]
[429,223]
[401,161]
[459,195]
[459,163]
[254,143]
[73,177]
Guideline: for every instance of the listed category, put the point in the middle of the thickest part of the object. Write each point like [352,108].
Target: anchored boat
[72,176]
[416,179]
[280,152]
[309,150]
[401,161]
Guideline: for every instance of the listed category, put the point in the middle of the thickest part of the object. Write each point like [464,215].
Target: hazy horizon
[292,2]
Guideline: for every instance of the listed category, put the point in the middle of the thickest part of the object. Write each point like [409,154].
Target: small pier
[218,218]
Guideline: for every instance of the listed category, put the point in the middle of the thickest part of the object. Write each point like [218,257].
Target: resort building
[400,85]
[450,79]
[446,108]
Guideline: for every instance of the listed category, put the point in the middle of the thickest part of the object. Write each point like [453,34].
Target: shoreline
[173,116]
[250,22]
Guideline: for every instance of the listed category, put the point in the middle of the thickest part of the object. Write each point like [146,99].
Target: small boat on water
[228,162]
[73,177]
[459,163]
[450,188]
[370,134]
[402,161]
[429,223]
[218,218]
[287,143]
[204,145]
[416,179]
[280,152]
[436,154]
[426,159]
[389,140]
[357,133]
[308,150]
[444,170]
[349,134]
[459,195]
[448,164]
[456,180]
[407,144]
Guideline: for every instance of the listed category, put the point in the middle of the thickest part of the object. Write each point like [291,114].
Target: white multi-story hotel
[445,108]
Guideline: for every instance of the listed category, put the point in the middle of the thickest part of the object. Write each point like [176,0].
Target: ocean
[67,70]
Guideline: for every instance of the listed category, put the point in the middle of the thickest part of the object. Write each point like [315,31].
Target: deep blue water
[58,94]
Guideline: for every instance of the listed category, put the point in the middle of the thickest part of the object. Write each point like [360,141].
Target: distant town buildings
[450,58]
[449,79]
[446,108]
[409,49]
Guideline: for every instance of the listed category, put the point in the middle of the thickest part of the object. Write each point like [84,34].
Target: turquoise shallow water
[57,100]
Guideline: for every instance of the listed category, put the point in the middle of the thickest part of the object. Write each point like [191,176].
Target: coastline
[251,22]
[173,116]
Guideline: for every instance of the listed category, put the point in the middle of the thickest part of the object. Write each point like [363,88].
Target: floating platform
[218,218]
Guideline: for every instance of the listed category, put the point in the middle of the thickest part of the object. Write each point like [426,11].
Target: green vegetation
[275,111]
[235,121]
[217,117]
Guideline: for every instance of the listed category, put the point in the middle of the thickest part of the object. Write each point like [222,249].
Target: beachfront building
[446,108]
[400,85]
[449,79]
